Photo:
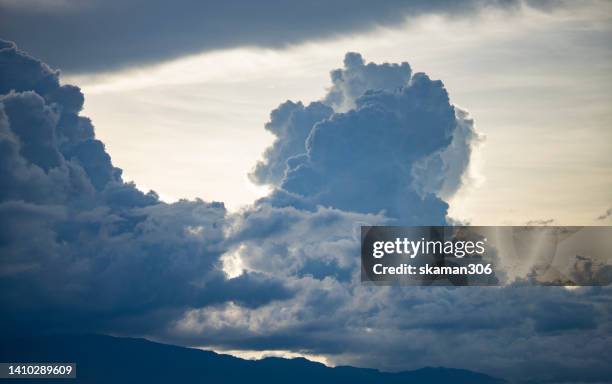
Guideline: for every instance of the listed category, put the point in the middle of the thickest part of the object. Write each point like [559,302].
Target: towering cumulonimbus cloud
[394,143]
[361,160]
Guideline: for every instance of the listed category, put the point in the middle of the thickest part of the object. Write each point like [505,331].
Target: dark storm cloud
[406,135]
[81,249]
[322,243]
[100,35]
[21,73]
[516,332]
[526,334]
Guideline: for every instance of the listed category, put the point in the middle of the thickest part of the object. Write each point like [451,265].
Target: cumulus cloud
[391,142]
[133,32]
[80,248]
[306,233]
[361,160]
[321,244]
[83,250]
[352,81]
[291,123]
[446,171]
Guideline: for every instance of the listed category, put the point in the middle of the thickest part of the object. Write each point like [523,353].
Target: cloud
[392,143]
[306,233]
[526,333]
[446,171]
[361,160]
[605,215]
[82,250]
[540,222]
[101,35]
[352,81]
[322,243]
[291,123]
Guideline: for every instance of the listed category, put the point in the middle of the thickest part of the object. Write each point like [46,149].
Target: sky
[266,155]
[537,83]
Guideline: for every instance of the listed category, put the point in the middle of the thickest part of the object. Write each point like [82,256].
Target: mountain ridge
[104,359]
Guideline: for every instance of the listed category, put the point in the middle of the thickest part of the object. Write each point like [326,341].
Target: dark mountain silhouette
[106,359]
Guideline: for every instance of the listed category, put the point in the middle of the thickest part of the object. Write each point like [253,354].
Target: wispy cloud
[605,215]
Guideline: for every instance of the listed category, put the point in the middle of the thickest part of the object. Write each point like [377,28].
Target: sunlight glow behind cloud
[203,115]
